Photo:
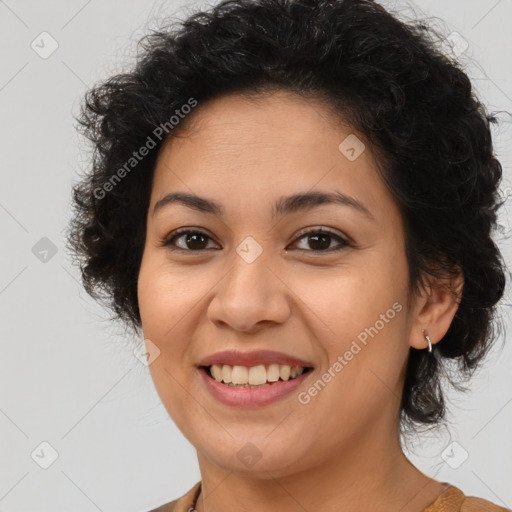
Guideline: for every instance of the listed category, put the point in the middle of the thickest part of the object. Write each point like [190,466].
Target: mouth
[253,377]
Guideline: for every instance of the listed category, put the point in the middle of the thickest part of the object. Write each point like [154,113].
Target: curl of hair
[414,105]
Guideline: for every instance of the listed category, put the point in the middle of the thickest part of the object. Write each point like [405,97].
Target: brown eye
[189,240]
[317,241]
[320,241]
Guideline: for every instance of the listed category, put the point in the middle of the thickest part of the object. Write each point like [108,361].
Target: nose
[250,297]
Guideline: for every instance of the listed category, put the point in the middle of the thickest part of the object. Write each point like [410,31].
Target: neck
[370,474]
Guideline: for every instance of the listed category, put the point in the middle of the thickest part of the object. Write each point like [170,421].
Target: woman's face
[266,278]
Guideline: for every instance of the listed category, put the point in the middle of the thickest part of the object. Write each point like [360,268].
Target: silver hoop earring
[429,343]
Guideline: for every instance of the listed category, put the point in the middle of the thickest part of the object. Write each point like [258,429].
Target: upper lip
[255,358]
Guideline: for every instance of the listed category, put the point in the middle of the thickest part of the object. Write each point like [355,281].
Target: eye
[190,240]
[193,240]
[320,240]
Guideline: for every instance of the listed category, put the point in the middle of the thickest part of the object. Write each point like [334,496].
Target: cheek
[346,301]
[166,294]
[171,311]
[362,326]
[162,303]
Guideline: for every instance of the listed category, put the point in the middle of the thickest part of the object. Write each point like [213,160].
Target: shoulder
[454,500]
[167,507]
[474,504]
[183,504]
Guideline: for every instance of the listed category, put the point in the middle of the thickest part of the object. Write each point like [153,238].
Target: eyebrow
[283,206]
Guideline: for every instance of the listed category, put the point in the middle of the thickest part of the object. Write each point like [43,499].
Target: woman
[294,202]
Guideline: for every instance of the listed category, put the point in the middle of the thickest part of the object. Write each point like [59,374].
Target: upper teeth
[254,375]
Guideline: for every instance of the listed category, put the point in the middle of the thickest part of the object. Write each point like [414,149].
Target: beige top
[451,500]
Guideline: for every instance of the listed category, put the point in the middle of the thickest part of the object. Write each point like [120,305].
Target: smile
[253,386]
[254,375]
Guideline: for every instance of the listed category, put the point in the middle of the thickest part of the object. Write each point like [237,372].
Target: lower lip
[255,397]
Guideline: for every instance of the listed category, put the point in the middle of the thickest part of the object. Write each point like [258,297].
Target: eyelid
[166,241]
[344,243]
[320,229]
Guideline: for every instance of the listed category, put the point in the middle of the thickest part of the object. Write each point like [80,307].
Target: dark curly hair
[387,78]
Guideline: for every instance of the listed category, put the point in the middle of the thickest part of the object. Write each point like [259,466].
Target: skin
[343,446]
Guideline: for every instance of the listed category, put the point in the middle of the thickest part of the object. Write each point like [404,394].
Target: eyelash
[168,241]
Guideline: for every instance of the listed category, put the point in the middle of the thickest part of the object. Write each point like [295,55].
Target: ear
[435,308]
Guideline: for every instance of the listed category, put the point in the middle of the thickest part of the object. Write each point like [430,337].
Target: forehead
[252,149]
[249,124]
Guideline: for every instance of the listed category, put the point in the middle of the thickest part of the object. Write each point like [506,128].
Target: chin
[263,459]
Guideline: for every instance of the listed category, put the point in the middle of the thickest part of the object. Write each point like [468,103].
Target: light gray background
[68,377]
